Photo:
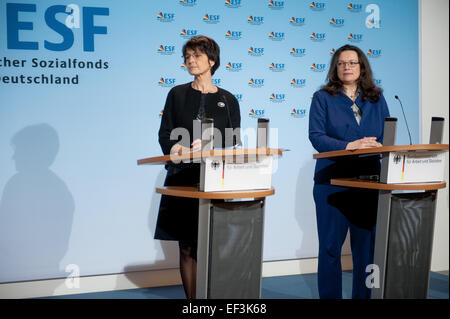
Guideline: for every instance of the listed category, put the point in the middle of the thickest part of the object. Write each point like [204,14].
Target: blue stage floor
[281,287]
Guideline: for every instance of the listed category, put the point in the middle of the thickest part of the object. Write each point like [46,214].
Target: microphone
[225,104]
[401,105]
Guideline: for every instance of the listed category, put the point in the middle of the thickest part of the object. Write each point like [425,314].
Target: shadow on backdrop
[36,210]
[166,256]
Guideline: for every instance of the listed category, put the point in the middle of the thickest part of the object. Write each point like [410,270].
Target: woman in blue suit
[347,113]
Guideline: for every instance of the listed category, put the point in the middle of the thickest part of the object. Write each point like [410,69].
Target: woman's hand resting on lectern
[180,149]
[366,142]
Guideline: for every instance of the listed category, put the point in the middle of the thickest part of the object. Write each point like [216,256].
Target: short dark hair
[205,45]
[365,82]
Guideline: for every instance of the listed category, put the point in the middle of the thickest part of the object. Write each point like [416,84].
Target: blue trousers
[338,210]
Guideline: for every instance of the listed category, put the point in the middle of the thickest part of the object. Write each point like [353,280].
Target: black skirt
[178,216]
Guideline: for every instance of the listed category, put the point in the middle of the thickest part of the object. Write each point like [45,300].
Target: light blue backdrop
[71,192]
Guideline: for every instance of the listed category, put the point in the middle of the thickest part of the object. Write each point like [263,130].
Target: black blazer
[182,107]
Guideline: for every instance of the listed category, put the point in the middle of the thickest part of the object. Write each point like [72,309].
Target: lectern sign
[223,176]
[416,167]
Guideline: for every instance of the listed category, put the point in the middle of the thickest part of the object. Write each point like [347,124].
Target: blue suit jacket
[332,125]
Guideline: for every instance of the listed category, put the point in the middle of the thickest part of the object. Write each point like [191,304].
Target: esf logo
[161,113]
[233,35]
[332,51]
[254,20]
[277,98]
[374,53]
[211,18]
[166,49]
[354,7]
[298,113]
[298,22]
[255,51]
[296,52]
[238,97]
[165,17]
[256,83]
[166,82]
[276,5]
[317,37]
[188,3]
[355,37]
[298,83]
[217,82]
[337,22]
[16,21]
[183,66]
[318,67]
[276,67]
[256,113]
[276,36]
[233,3]
[377,82]
[233,67]
[188,33]
[317,6]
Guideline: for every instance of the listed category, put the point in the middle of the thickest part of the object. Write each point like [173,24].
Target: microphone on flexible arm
[225,104]
[407,127]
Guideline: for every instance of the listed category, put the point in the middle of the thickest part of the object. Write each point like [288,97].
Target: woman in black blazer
[196,100]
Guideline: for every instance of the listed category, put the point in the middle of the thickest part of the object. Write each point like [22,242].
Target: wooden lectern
[231,222]
[407,186]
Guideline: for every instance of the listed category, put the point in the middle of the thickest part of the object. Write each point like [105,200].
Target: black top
[178,216]
[182,108]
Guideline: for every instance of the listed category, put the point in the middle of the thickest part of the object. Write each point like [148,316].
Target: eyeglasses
[351,64]
[196,56]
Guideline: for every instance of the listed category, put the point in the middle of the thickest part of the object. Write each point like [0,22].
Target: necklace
[353,95]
